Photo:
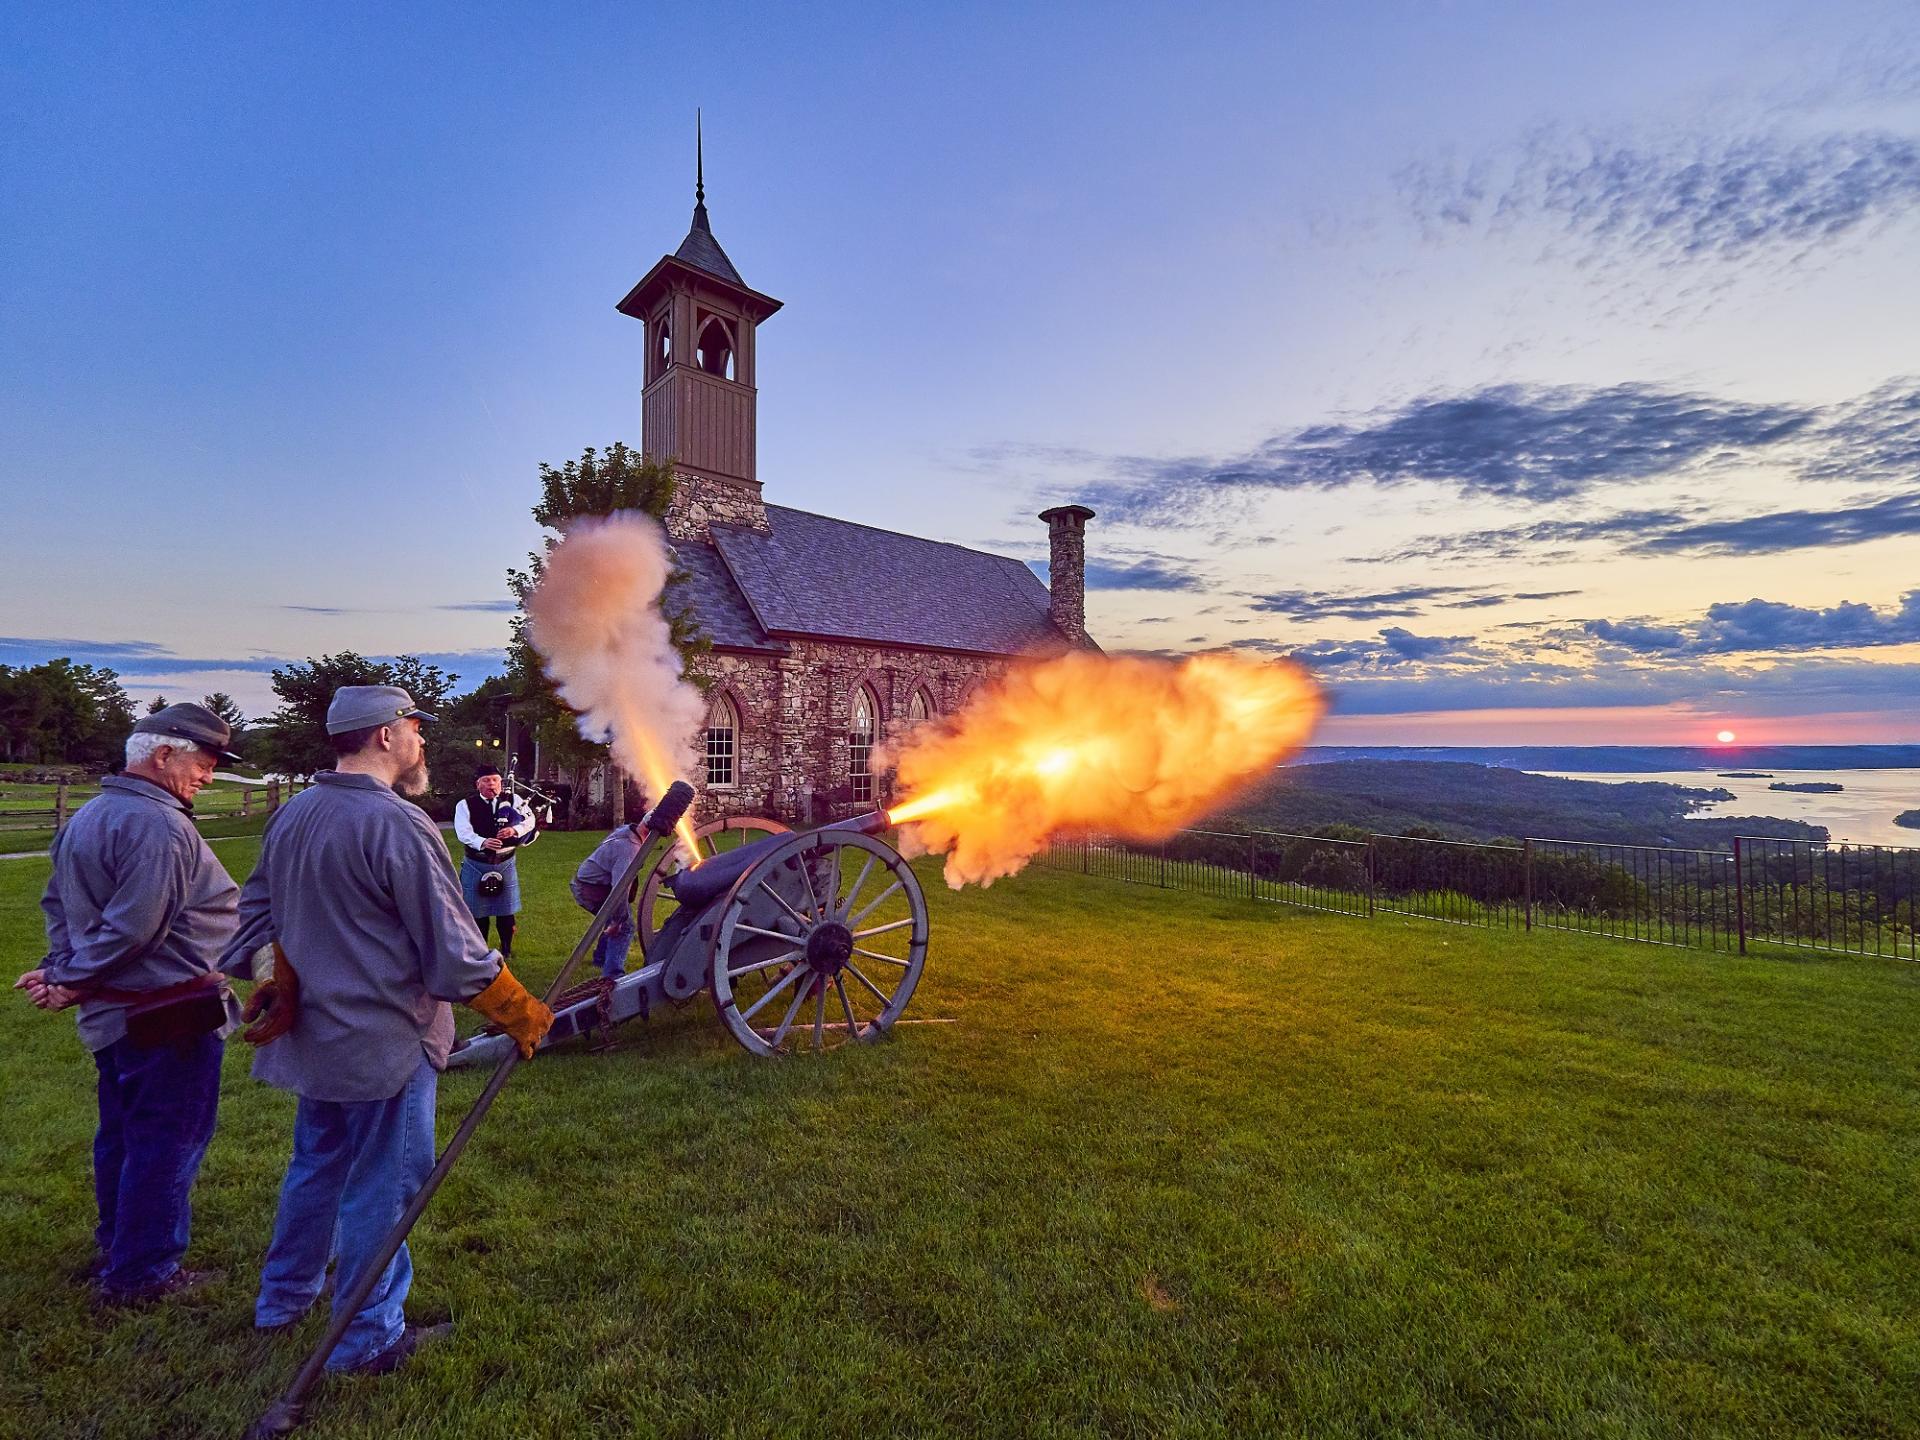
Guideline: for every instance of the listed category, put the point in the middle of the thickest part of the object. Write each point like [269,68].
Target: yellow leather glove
[274,1003]
[515,1009]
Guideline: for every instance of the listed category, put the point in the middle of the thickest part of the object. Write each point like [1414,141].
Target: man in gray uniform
[138,912]
[355,892]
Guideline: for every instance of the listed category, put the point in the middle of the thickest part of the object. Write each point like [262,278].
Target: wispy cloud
[499,607]
[1533,444]
[136,659]
[1402,603]
[1677,201]
[1733,627]
[1653,532]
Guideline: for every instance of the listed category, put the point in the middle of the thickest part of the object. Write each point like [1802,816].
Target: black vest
[487,816]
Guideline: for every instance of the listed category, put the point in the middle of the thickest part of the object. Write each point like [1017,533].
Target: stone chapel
[828,636]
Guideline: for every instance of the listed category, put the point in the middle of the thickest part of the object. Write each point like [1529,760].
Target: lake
[1862,814]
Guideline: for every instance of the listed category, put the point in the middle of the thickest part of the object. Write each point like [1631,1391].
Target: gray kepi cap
[187,721]
[360,707]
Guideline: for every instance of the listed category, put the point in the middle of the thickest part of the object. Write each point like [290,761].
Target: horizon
[1535,379]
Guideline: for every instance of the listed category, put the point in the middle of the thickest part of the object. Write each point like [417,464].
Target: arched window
[662,347]
[919,708]
[715,355]
[863,725]
[723,742]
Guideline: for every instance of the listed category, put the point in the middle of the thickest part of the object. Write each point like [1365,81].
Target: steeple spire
[699,177]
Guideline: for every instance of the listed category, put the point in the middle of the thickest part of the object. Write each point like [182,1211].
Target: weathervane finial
[699,169]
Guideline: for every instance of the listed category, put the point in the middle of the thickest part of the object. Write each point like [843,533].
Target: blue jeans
[157,1108]
[610,950]
[355,1166]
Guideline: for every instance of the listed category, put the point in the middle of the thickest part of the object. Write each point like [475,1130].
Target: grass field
[1182,1166]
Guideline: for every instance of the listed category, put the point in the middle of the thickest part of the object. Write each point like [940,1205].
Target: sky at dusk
[1535,372]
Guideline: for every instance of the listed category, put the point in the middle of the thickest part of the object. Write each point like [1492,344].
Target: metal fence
[1852,899]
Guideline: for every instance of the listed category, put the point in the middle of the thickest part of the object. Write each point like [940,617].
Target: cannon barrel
[874,822]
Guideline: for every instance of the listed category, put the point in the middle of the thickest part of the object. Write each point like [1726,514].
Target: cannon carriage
[802,940]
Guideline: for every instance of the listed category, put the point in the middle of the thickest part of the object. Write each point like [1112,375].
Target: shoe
[178,1283]
[90,1272]
[401,1351]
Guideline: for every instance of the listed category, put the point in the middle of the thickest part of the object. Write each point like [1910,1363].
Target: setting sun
[1725,737]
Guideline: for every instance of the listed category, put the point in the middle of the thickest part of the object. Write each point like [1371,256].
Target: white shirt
[465,832]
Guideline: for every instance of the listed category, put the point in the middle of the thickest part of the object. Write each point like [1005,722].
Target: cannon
[803,940]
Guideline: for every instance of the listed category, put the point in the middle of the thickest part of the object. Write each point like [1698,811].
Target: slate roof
[834,579]
[722,610]
[703,252]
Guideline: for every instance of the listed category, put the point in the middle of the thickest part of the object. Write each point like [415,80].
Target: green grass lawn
[1182,1166]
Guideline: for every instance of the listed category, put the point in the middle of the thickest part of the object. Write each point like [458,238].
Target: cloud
[1681,201]
[1408,646]
[497,607]
[1157,574]
[1125,568]
[1533,444]
[1733,627]
[1376,605]
[1672,532]
[1401,603]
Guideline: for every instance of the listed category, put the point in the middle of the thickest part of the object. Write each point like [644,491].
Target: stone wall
[698,502]
[795,711]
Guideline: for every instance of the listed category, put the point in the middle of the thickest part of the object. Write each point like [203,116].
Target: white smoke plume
[595,619]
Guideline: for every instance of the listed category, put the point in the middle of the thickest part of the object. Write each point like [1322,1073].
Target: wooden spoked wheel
[820,944]
[657,902]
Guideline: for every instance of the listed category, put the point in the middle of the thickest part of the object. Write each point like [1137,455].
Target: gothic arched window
[715,355]
[862,726]
[662,347]
[723,742]
[919,708]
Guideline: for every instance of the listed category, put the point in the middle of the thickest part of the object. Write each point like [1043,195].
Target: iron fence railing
[1853,899]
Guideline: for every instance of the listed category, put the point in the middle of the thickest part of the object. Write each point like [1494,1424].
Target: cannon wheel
[858,943]
[748,827]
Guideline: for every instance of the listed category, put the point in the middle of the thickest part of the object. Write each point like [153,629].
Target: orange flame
[1124,745]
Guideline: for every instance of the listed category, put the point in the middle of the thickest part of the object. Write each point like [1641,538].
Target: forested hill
[1483,802]
[1631,759]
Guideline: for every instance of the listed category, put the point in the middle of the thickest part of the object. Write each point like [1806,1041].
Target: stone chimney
[1067,569]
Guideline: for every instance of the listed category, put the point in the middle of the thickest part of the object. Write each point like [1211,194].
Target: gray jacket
[357,886]
[136,900]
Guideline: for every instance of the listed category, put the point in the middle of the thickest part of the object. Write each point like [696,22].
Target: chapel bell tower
[698,401]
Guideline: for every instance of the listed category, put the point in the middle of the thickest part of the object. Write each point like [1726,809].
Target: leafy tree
[222,705]
[595,484]
[60,711]
[294,738]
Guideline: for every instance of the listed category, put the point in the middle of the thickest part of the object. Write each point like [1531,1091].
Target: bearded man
[355,901]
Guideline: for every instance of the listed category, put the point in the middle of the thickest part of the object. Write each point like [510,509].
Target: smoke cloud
[595,619]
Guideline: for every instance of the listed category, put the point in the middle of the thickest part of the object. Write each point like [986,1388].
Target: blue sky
[1535,371]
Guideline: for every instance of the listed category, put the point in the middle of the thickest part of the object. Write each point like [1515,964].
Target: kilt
[507,902]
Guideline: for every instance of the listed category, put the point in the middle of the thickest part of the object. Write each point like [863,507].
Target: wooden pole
[60,803]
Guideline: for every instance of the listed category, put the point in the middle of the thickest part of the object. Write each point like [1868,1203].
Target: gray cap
[187,721]
[360,707]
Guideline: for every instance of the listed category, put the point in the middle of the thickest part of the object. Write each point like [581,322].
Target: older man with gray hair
[138,911]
